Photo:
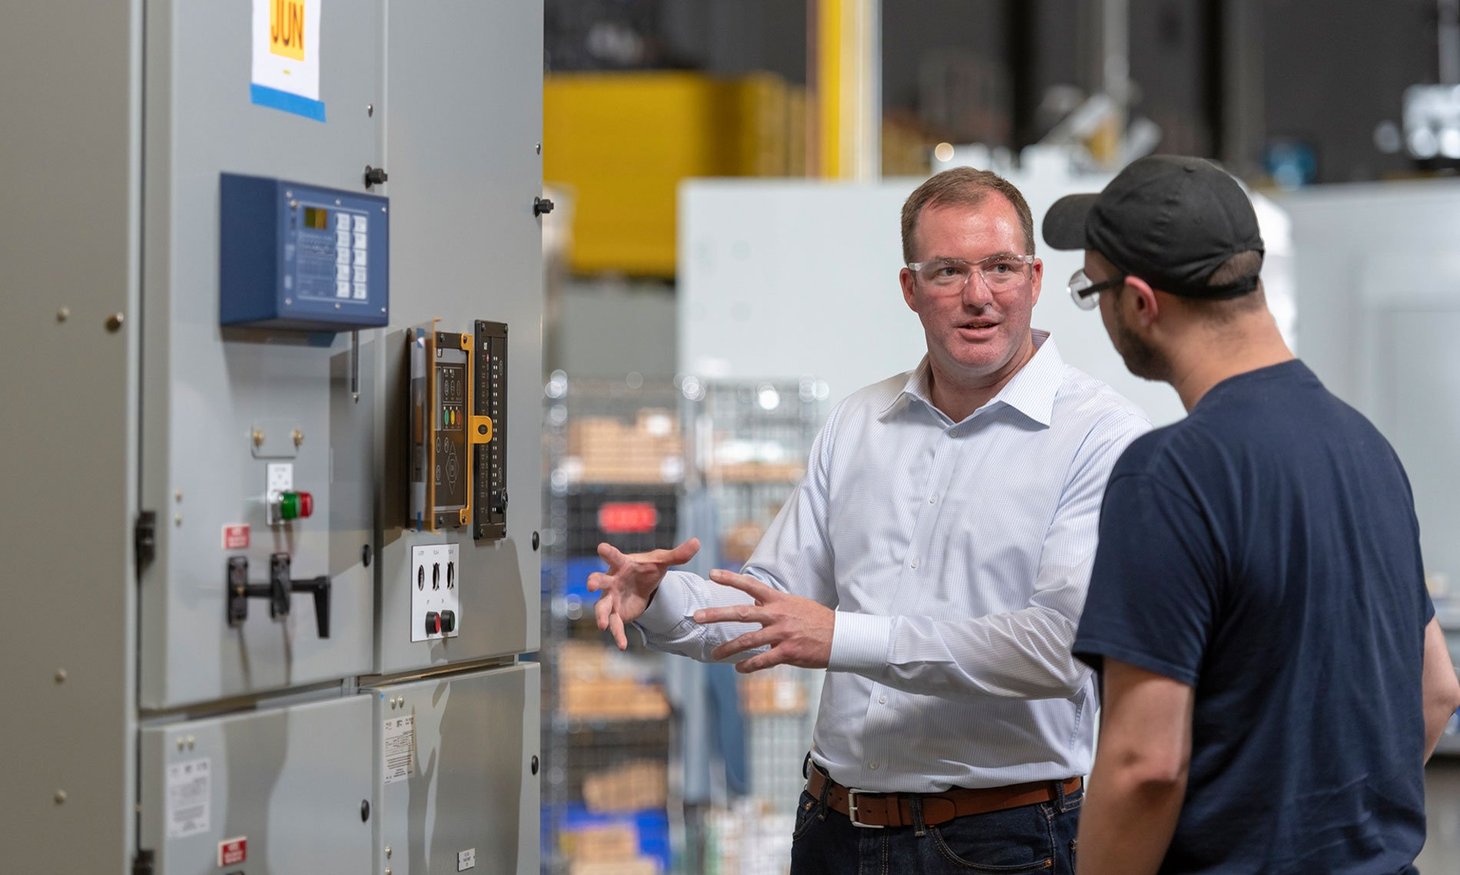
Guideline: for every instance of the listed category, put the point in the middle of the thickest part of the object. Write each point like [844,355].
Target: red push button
[433,623]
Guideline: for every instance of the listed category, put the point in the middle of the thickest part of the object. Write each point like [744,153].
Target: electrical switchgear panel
[238,418]
[302,257]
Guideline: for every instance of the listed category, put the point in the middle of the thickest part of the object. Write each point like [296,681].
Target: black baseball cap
[1170,220]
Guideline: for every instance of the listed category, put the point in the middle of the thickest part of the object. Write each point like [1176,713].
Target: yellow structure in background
[621,143]
[846,71]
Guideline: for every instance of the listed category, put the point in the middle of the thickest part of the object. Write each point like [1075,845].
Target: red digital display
[620,518]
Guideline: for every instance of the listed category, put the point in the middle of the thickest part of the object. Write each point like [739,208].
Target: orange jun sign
[286,28]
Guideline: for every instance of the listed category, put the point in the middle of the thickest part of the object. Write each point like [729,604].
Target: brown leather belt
[895,809]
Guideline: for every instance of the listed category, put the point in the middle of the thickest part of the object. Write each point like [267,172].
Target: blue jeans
[1031,838]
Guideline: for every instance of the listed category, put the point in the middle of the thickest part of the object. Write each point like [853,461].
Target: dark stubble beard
[1140,357]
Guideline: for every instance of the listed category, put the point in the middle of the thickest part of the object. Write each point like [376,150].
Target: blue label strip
[276,99]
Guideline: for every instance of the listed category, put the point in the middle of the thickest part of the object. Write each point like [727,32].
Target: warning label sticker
[400,748]
[235,536]
[189,794]
[233,851]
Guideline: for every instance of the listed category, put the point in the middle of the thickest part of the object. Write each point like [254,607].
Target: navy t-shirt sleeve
[1153,589]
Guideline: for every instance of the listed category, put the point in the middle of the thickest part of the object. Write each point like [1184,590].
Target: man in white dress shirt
[934,561]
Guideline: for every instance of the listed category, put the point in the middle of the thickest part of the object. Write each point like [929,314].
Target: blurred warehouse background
[722,268]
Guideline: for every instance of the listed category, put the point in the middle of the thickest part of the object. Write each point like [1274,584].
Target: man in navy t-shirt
[1273,676]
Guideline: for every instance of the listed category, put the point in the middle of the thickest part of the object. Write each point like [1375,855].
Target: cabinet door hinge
[144,539]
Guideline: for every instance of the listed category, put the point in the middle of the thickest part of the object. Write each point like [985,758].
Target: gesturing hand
[797,630]
[630,583]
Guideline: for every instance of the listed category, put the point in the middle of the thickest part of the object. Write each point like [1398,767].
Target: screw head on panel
[364,810]
[114,322]
[298,437]
[370,110]
[258,437]
[387,852]
[63,314]
[534,764]
[61,675]
[60,797]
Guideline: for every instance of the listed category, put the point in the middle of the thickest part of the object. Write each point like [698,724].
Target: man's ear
[907,279]
[1145,306]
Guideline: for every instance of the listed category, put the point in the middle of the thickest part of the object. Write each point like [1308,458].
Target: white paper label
[467,859]
[189,794]
[400,748]
[286,46]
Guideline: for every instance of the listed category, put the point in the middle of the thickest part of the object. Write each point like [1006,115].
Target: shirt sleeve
[1017,654]
[1153,591]
[793,556]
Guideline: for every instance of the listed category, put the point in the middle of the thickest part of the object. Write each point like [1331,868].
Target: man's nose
[976,291]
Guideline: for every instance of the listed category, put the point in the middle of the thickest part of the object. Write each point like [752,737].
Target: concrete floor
[1441,855]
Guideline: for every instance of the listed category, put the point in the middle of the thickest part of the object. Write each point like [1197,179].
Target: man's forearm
[1126,824]
[1441,690]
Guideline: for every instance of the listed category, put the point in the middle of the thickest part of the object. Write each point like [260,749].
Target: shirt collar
[1031,392]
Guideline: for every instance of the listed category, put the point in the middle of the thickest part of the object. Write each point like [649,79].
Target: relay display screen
[317,218]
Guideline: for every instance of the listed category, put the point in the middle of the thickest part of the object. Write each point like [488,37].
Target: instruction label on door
[400,748]
[189,794]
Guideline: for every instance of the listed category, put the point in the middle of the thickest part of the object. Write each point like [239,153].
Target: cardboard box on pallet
[607,450]
[631,787]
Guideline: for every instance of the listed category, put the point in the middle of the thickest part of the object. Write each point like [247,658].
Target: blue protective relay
[302,257]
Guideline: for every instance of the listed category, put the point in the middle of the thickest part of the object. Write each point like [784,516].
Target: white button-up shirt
[956,556]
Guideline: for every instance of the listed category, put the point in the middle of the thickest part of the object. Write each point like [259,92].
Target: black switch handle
[277,591]
[320,588]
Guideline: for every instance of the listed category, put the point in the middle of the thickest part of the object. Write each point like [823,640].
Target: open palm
[630,583]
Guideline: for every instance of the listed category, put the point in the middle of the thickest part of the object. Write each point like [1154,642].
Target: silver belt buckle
[852,811]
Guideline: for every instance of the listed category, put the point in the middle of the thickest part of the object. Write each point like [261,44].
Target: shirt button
[872,766]
[932,499]
[915,563]
[882,700]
